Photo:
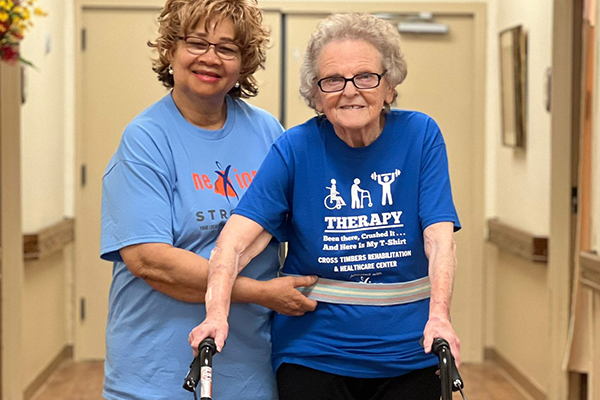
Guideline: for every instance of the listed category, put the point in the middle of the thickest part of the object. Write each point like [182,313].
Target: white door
[117,84]
[440,82]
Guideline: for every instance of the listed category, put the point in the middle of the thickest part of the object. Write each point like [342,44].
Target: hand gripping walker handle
[451,379]
[201,370]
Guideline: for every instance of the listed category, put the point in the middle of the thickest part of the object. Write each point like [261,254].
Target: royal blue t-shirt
[172,182]
[354,214]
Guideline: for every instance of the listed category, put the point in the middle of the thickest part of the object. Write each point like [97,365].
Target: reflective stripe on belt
[368,294]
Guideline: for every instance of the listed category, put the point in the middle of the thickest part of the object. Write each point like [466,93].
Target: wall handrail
[49,240]
[518,241]
[590,269]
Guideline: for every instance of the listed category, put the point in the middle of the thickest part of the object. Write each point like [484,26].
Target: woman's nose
[350,89]
[210,56]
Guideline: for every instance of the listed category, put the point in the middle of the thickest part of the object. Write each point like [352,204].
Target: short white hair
[379,33]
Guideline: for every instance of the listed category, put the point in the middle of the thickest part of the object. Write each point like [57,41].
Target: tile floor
[83,381]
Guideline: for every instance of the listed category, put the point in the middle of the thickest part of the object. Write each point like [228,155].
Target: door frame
[562,226]
[473,348]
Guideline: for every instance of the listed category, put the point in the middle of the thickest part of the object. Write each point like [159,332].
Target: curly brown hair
[180,17]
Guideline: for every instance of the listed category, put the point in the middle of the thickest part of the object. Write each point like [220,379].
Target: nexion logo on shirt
[223,183]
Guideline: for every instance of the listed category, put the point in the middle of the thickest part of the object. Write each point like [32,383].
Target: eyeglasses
[367,80]
[198,46]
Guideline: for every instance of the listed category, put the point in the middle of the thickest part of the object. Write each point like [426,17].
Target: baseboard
[529,387]
[65,354]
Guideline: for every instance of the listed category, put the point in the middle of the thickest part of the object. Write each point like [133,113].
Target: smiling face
[206,77]
[352,111]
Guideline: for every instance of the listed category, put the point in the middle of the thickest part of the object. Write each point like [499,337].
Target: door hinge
[83,39]
[83,175]
[82,309]
[574,199]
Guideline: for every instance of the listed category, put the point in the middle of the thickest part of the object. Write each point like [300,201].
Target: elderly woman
[384,255]
[181,168]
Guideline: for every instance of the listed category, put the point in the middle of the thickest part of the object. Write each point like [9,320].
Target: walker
[201,370]
[451,379]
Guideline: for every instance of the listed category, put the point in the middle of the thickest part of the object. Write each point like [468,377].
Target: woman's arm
[238,243]
[183,275]
[175,272]
[441,252]
[180,273]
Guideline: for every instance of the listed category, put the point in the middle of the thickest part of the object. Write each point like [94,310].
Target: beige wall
[518,192]
[47,184]
[523,177]
[45,325]
[522,316]
[44,124]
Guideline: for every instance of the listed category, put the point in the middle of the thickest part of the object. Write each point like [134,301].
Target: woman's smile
[352,107]
[207,76]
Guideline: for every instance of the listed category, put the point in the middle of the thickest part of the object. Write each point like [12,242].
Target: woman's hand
[216,328]
[281,295]
[440,327]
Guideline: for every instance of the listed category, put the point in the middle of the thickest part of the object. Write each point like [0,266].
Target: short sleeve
[435,192]
[267,201]
[137,197]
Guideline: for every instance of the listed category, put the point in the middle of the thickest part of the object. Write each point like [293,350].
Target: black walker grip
[448,370]
[204,359]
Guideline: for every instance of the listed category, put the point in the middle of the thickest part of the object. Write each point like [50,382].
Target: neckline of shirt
[200,133]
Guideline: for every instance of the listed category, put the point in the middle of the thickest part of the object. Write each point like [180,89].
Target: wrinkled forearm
[222,271]
[240,241]
[440,250]
[245,290]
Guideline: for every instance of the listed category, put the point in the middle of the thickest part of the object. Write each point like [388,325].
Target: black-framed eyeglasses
[198,46]
[366,80]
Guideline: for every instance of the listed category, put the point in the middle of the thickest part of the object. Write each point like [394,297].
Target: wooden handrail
[49,240]
[517,241]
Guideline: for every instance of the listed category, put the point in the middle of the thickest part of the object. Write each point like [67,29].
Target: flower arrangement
[15,19]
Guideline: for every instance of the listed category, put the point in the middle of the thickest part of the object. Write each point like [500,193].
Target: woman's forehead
[348,54]
[222,26]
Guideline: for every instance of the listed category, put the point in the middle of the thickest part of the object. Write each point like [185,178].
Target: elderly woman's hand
[216,328]
[281,295]
[440,327]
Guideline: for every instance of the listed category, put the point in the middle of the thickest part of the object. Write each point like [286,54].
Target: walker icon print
[359,195]
[386,180]
[334,201]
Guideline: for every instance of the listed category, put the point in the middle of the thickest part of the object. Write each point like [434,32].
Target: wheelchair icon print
[334,201]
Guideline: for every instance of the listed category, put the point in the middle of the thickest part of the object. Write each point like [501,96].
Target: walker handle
[201,370]
[451,379]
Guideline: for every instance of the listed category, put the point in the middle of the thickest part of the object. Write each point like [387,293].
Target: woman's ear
[389,94]
[171,52]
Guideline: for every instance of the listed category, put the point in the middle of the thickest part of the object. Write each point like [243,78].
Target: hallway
[83,381]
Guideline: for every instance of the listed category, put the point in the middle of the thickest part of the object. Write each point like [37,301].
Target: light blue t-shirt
[355,214]
[172,182]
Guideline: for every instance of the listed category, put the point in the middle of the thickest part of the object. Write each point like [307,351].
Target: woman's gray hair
[379,33]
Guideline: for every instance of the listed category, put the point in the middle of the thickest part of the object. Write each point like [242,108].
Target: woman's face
[352,109]
[206,75]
